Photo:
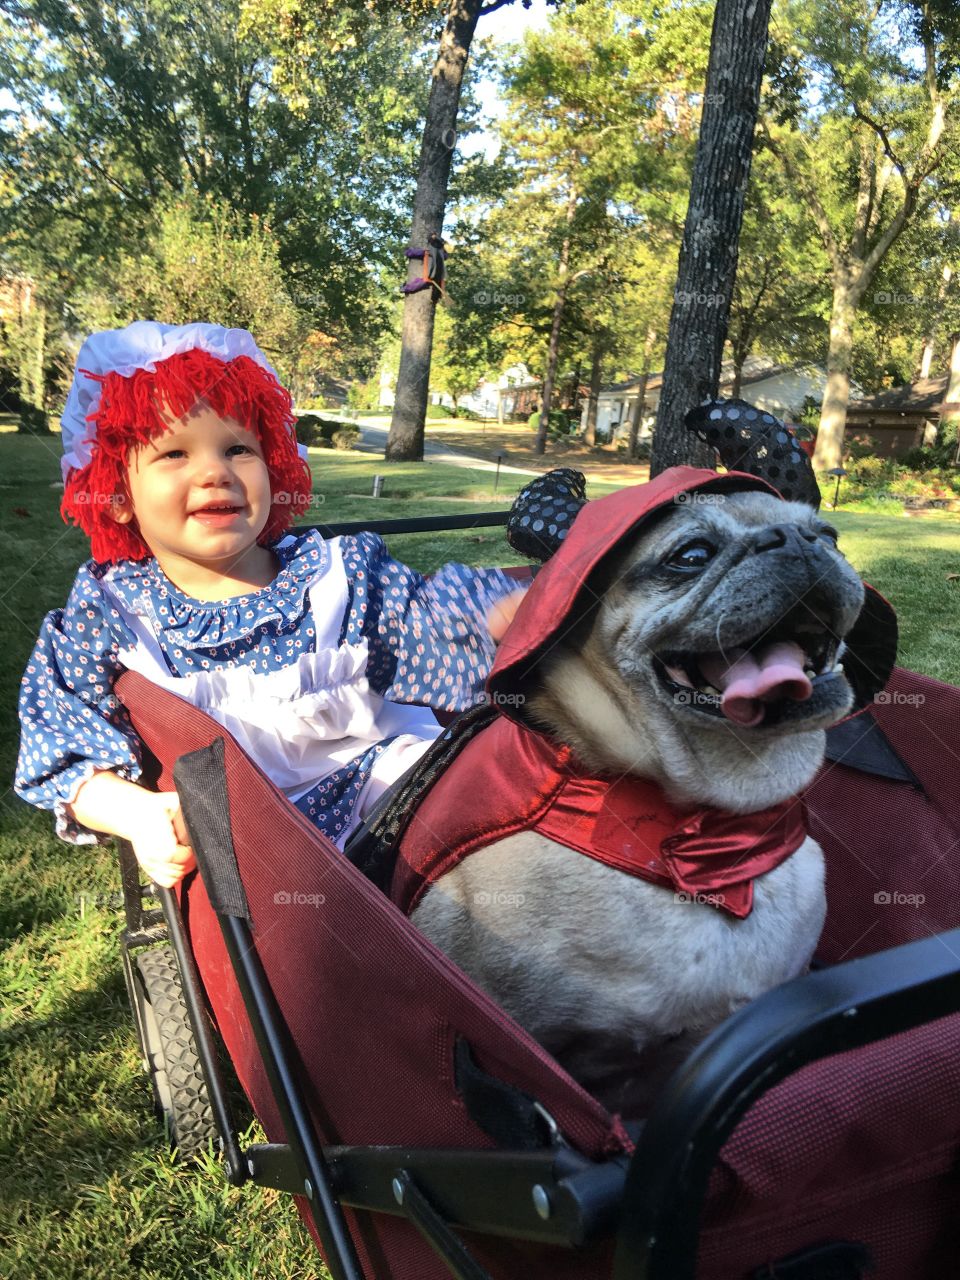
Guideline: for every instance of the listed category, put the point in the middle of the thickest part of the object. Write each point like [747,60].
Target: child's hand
[150,820]
[501,615]
[162,846]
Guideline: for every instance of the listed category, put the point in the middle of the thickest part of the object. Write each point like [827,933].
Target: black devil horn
[748,439]
[544,510]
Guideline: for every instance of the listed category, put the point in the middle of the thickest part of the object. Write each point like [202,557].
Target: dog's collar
[511,778]
[705,856]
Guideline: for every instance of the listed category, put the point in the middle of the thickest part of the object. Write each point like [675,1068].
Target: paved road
[373,439]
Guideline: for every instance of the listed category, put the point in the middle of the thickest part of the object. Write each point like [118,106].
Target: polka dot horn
[544,511]
[747,439]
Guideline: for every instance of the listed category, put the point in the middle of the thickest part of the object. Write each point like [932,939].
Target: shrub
[861,447]
[870,469]
[33,420]
[560,423]
[934,456]
[348,437]
[313,430]
[644,450]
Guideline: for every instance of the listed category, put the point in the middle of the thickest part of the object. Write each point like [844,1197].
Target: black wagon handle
[844,1007]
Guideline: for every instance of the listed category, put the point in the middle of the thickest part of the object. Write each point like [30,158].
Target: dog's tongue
[748,680]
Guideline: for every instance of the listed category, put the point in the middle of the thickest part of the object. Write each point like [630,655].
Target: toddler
[181,465]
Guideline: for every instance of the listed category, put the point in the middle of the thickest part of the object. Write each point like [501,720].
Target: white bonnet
[141,345]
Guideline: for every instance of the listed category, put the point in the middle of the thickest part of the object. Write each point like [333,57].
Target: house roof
[916,397]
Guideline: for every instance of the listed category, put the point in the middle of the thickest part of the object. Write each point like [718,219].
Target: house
[781,389]
[902,418]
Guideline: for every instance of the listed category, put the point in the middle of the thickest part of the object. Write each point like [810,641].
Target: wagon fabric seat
[859,1147]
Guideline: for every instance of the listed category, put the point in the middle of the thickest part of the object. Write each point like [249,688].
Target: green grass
[86,1188]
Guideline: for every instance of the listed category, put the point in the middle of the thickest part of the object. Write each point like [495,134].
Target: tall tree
[870,119]
[708,256]
[119,109]
[405,441]
[598,130]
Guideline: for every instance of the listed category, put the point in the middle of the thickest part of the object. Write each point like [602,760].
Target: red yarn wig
[129,415]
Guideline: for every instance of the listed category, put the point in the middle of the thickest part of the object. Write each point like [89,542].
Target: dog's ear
[870,652]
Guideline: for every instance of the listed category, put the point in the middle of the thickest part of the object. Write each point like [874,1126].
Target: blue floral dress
[317,675]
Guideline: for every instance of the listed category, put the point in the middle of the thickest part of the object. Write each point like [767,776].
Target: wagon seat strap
[201,782]
[830,1260]
[512,1118]
[372,848]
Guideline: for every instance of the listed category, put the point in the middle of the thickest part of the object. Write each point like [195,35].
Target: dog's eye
[692,555]
[828,533]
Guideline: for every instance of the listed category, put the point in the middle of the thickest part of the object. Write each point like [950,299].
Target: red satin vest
[511,778]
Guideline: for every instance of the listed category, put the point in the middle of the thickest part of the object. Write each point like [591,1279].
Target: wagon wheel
[170,1054]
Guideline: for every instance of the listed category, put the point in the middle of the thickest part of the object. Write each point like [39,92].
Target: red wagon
[815,1135]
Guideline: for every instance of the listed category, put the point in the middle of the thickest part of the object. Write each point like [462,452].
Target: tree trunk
[929,342]
[405,441]
[596,372]
[833,412]
[711,235]
[926,358]
[738,351]
[636,416]
[951,409]
[553,351]
[29,347]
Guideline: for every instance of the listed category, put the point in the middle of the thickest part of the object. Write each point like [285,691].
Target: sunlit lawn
[87,1189]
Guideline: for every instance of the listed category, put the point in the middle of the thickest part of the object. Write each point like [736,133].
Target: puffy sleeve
[428,637]
[71,724]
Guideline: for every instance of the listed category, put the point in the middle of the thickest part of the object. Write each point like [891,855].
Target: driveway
[373,439]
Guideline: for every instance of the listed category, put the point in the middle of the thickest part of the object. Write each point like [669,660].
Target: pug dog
[702,658]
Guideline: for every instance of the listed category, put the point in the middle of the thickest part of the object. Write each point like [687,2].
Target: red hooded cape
[512,777]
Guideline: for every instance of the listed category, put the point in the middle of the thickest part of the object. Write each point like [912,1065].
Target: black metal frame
[652,1201]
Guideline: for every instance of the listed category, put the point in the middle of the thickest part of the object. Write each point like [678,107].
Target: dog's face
[711,662]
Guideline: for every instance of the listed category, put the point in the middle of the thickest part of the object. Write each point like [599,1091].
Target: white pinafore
[307,720]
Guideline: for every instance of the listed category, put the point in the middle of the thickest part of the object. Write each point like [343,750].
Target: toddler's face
[200,494]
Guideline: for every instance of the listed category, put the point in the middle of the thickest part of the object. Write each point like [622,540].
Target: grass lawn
[86,1189]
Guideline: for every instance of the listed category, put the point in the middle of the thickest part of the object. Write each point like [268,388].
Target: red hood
[557,599]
